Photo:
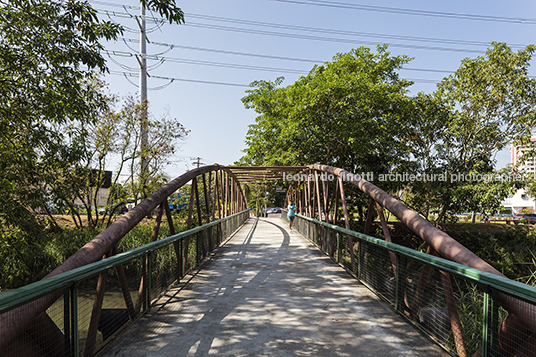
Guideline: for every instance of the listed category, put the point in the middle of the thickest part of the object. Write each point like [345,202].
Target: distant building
[519,201]
[103,191]
[527,166]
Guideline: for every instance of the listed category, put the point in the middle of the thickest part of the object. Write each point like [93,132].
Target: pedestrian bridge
[270,292]
[233,284]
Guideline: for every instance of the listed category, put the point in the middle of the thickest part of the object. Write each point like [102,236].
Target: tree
[48,50]
[486,193]
[492,103]
[115,139]
[424,127]
[343,113]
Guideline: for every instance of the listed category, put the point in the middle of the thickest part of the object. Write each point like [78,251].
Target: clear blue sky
[225,45]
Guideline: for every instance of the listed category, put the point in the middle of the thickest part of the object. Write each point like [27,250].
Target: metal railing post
[70,320]
[400,282]
[490,322]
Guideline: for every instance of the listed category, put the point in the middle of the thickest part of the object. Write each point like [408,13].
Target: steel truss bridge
[66,313]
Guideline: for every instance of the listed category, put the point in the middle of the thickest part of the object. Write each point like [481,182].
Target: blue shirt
[291,210]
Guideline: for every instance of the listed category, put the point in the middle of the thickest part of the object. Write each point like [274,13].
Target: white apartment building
[520,199]
[516,152]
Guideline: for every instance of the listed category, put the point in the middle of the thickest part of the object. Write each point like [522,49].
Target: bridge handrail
[472,313]
[515,288]
[20,296]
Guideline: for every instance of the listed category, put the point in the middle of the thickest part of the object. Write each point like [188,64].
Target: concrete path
[270,293]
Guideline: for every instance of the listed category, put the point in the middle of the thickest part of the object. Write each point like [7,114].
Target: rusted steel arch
[231,197]
[445,245]
[522,315]
[261,174]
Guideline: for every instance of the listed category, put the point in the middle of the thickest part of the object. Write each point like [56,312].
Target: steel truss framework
[317,190]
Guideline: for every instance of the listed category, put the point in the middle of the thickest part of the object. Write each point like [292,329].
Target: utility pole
[197,161]
[143,94]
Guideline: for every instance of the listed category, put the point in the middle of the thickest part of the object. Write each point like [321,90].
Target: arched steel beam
[15,321]
[444,244]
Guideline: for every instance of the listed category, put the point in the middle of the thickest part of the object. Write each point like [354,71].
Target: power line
[105,3]
[249,67]
[126,74]
[237,53]
[387,37]
[344,32]
[288,27]
[327,39]
[404,11]
[386,9]
[256,55]
[210,63]
[258,68]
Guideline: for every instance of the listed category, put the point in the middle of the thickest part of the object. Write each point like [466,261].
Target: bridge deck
[270,293]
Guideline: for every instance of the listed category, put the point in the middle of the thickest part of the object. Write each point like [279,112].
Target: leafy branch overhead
[167,9]
[355,112]
[49,51]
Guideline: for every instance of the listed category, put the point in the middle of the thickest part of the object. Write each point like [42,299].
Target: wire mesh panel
[460,308]
[164,269]
[45,334]
[426,304]
[345,242]
[79,311]
[376,270]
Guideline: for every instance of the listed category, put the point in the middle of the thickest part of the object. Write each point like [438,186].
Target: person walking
[291,214]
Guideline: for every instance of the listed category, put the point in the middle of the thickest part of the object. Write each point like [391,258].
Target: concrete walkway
[270,293]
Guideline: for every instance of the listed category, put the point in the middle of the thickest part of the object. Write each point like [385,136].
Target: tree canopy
[492,102]
[343,113]
[355,112]
[48,51]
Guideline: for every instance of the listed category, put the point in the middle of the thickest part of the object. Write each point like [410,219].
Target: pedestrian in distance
[291,214]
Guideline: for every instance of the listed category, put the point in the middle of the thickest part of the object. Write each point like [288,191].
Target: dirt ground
[67,221]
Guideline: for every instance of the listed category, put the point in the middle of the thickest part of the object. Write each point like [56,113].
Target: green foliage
[116,137]
[49,50]
[343,113]
[492,103]
[507,249]
[167,9]
[492,100]
[354,113]
[27,259]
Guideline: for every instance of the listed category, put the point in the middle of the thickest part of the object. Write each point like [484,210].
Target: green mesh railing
[68,320]
[457,306]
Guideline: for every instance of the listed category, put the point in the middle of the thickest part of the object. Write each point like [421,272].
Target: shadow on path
[267,292]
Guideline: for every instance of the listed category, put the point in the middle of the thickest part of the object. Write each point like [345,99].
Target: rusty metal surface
[13,323]
[441,242]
